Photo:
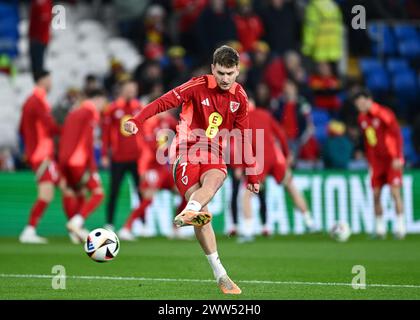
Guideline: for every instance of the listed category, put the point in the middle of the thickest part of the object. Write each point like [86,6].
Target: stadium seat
[405,32]
[321,133]
[320,117]
[394,65]
[405,84]
[406,90]
[378,81]
[369,65]
[410,154]
[409,48]
[383,40]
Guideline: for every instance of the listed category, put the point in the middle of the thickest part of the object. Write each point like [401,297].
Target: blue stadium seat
[394,65]
[378,82]
[321,133]
[410,48]
[9,35]
[406,90]
[383,39]
[405,32]
[369,65]
[410,153]
[320,117]
[405,84]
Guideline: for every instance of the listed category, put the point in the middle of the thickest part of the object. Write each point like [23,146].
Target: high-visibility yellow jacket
[323,31]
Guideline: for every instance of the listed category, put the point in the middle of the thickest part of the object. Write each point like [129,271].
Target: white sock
[216,265]
[29,230]
[78,220]
[380,225]
[400,227]
[193,205]
[309,222]
[248,227]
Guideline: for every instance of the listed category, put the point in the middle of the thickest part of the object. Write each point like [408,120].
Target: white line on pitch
[42,276]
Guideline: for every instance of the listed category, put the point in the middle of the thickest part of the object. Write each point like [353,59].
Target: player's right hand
[397,164]
[130,127]
[254,187]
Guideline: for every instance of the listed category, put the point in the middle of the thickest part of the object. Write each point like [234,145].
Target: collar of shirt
[40,93]
[375,109]
[123,103]
[212,84]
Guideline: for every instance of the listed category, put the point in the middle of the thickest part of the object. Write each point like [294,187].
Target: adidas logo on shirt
[206,102]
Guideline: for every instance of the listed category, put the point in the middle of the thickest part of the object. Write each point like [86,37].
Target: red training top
[123,147]
[382,135]
[38,127]
[76,143]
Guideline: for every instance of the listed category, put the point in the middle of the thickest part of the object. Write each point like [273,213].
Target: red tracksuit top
[76,144]
[381,134]
[123,148]
[38,127]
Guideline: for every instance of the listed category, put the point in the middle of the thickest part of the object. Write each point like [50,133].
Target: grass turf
[319,264]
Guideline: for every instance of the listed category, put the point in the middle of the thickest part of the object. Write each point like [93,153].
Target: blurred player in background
[276,163]
[117,145]
[77,163]
[210,103]
[38,128]
[384,152]
[156,137]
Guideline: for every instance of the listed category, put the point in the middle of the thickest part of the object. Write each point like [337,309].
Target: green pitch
[291,267]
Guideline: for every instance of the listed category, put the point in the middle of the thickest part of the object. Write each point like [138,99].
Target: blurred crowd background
[301,59]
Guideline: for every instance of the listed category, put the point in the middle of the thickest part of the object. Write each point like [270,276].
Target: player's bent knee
[46,192]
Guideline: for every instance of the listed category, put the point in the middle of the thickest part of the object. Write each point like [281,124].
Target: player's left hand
[254,187]
[397,164]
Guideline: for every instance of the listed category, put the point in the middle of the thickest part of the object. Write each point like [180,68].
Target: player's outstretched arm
[172,99]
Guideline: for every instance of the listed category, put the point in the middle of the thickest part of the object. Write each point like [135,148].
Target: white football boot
[75,225]
[125,235]
[29,235]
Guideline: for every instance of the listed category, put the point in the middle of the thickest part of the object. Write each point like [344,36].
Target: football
[340,231]
[102,245]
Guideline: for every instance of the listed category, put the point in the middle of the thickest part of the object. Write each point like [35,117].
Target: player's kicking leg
[199,195]
[400,230]
[45,196]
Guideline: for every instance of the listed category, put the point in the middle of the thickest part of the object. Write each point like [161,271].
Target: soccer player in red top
[384,152]
[210,103]
[38,128]
[275,163]
[122,148]
[77,163]
[155,141]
